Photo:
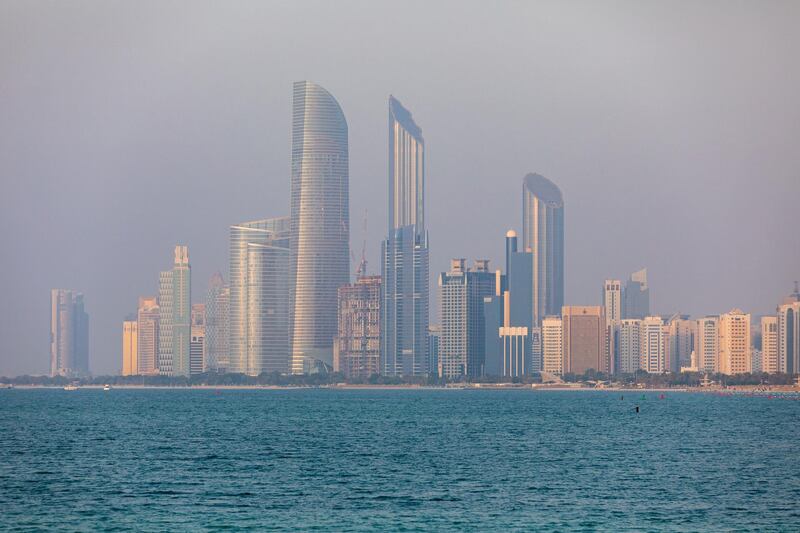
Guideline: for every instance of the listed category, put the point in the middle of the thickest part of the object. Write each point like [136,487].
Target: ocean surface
[396,460]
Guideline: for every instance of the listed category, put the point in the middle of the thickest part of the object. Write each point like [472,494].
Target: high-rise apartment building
[260,305]
[630,351]
[69,334]
[653,345]
[706,344]
[769,344]
[165,290]
[584,339]
[636,296]
[405,270]
[197,343]
[357,348]
[147,320]
[320,225]
[462,343]
[735,343]
[181,311]
[218,324]
[552,345]
[130,348]
[543,236]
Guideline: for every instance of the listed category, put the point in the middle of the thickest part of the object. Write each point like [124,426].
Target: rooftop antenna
[361,271]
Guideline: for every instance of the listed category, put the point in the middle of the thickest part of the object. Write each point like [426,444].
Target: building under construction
[357,348]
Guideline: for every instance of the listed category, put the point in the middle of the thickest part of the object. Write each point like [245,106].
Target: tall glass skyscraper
[320,224]
[217,324]
[259,296]
[405,252]
[543,234]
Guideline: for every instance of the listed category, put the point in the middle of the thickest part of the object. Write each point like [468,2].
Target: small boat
[106,387]
[71,387]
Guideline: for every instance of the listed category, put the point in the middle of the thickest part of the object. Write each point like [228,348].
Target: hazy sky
[672,129]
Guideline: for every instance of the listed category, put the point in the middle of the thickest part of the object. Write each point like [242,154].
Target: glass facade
[543,235]
[320,224]
[405,266]
[259,297]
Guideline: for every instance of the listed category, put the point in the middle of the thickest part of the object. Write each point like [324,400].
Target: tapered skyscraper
[405,251]
[320,224]
[543,234]
[69,334]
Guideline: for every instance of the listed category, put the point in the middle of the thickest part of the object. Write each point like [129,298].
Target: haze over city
[128,128]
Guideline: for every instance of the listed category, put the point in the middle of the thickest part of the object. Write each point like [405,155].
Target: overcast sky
[672,129]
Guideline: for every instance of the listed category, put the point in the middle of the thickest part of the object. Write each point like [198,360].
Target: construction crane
[361,271]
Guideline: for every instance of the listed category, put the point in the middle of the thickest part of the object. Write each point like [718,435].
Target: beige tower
[552,345]
[584,331]
[769,344]
[734,343]
[130,350]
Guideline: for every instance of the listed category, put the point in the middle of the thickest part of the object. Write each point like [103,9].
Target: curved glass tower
[543,234]
[320,224]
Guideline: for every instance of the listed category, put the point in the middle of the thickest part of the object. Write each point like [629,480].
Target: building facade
[320,225]
[260,304]
[788,318]
[681,342]
[69,334]
[652,345]
[612,305]
[543,236]
[357,348]
[165,290]
[735,344]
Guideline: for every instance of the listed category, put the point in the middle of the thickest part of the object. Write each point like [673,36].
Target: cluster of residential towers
[499,323]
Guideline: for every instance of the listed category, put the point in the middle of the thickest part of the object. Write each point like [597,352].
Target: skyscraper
[320,218]
[69,334]
[130,349]
[357,349]
[543,235]
[218,324]
[734,343]
[148,335]
[636,298]
[769,344]
[181,311]
[584,339]
[259,296]
[405,309]
[462,342]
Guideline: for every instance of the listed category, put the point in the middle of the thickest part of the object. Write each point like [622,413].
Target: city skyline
[684,167]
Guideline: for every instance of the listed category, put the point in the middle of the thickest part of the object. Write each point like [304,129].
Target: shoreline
[482,386]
